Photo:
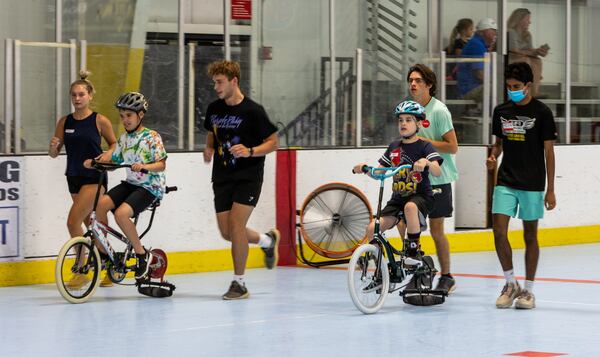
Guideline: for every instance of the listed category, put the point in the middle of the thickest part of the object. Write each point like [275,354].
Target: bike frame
[95,224]
[398,272]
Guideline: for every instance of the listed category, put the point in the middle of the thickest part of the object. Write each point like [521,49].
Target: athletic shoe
[446,283]
[77,281]
[508,295]
[143,265]
[271,252]
[236,292]
[525,300]
[106,282]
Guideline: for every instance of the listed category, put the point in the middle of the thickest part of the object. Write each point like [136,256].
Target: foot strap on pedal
[423,297]
[155,289]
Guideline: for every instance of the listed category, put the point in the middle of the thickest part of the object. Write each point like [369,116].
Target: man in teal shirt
[437,128]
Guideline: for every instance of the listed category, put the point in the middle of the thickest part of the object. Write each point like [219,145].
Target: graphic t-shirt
[246,123]
[408,182]
[523,130]
[145,147]
[439,122]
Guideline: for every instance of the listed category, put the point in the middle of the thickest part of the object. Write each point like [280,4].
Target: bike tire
[367,291]
[78,248]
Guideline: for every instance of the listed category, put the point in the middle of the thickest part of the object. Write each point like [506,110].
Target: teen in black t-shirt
[525,132]
[239,136]
[412,197]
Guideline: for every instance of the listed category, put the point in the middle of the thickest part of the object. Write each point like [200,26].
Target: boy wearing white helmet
[412,196]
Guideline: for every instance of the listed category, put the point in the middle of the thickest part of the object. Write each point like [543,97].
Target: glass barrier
[37,68]
[536,35]
[291,79]
[284,51]
[463,81]
[585,92]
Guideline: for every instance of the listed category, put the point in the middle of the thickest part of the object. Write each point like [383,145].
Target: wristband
[251,150]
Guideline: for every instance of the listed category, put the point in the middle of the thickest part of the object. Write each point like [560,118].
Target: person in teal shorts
[525,133]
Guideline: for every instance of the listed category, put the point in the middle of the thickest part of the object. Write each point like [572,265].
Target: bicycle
[376,267]
[80,255]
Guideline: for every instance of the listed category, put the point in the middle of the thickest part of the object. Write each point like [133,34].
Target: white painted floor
[308,312]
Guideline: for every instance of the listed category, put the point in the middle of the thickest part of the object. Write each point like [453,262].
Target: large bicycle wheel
[368,286]
[77,270]
[334,218]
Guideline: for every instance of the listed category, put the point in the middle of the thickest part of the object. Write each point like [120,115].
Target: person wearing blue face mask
[525,133]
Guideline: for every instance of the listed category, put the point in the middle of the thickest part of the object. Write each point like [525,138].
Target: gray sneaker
[236,292]
[271,253]
[446,283]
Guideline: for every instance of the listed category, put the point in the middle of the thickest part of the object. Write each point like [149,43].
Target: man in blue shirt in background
[470,74]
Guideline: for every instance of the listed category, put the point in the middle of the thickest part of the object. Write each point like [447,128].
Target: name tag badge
[69,131]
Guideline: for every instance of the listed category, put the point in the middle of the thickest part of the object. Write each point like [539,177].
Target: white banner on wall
[10,202]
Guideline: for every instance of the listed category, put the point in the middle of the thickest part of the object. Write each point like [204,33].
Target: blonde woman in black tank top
[82,141]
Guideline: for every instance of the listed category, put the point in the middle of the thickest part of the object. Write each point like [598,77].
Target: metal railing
[13,84]
[311,126]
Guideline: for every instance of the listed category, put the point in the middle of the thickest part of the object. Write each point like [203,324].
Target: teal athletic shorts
[529,204]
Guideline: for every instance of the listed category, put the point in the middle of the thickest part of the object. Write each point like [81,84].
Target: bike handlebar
[384,172]
[105,166]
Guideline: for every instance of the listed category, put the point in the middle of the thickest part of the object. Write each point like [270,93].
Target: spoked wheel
[334,218]
[368,286]
[117,273]
[77,270]
[116,276]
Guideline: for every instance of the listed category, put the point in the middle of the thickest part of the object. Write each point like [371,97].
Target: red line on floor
[487,276]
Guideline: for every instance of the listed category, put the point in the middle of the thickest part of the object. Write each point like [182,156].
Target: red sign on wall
[241,9]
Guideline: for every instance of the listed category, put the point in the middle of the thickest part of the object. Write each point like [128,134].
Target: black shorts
[395,208]
[135,196]
[75,182]
[443,202]
[242,192]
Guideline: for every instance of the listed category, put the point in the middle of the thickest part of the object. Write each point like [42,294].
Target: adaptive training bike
[376,268]
[78,264]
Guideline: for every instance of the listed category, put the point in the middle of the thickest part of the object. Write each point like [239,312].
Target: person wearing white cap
[470,74]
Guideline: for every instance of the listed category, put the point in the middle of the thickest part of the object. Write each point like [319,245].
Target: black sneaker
[143,265]
[271,253]
[236,292]
[446,283]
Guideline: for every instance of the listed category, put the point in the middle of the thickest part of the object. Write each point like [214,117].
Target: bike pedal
[412,262]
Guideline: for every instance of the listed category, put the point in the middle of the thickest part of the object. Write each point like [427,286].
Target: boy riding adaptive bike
[143,149]
[409,161]
[412,196]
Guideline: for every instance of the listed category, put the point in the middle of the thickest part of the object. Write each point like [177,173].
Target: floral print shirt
[146,147]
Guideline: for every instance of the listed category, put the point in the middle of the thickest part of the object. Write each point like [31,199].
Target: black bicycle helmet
[133,101]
